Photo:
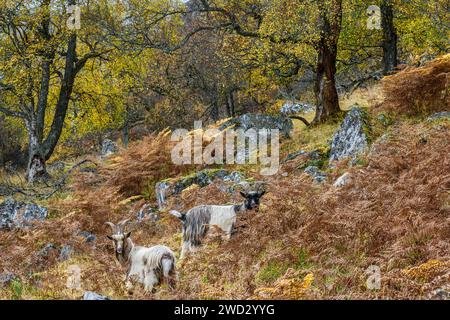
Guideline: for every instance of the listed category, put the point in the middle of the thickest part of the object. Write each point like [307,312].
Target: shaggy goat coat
[197,220]
[148,266]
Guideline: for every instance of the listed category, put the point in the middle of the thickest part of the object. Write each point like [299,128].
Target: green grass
[276,269]
[271,272]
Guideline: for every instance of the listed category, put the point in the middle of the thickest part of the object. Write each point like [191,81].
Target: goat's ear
[128,235]
[243,193]
[110,238]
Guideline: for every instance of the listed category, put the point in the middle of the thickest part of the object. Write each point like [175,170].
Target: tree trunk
[327,99]
[125,134]
[390,38]
[36,169]
[214,111]
[63,99]
[230,103]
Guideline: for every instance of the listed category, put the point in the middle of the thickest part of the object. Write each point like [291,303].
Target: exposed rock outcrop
[317,175]
[439,115]
[167,188]
[6,279]
[15,214]
[299,107]
[351,139]
[89,295]
[260,121]
[109,147]
[342,180]
[65,253]
[88,237]
[148,212]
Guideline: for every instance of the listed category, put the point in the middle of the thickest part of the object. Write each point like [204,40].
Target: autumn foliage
[419,91]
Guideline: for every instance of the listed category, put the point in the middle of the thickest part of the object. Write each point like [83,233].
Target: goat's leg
[230,232]
[172,278]
[172,283]
[129,284]
[150,281]
[185,249]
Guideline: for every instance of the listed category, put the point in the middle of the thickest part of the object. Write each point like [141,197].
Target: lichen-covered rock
[351,139]
[162,190]
[109,147]
[440,294]
[318,175]
[6,279]
[167,188]
[245,152]
[439,115]
[260,121]
[16,214]
[234,176]
[342,180]
[299,107]
[148,212]
[313,155]
[89,237]
[89,295]
[65,253]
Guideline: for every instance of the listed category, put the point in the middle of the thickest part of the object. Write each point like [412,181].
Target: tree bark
[230,103]
[63,99]
[390,38]
[214,111]
[125,133]
[327,99]
[36,169]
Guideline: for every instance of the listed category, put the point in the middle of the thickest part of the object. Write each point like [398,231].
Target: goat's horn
[112,225]
[123,223]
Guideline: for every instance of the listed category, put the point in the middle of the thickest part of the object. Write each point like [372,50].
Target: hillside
[309,240]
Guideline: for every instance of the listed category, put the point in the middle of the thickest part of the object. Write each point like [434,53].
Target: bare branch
[301,119]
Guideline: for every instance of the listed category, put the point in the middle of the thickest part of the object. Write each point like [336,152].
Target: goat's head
[119,236]
[253,196]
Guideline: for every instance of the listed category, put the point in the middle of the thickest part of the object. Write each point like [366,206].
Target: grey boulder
[351,140]
[16,214]
[109,147]
[260,122]
[316,174]
[89,295]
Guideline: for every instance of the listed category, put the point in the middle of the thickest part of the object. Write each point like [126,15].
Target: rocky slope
[364,196]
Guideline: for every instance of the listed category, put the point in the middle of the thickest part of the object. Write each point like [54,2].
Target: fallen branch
[301,119]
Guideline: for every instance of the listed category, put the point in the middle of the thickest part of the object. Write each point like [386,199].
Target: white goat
[196,220]
[148,266]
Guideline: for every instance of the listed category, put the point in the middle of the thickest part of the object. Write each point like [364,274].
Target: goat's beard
[121,257]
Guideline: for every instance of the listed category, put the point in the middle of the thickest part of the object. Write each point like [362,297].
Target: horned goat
[196,221]
[148,266]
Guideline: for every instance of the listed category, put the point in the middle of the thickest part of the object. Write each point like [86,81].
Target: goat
[196,220]
[147,266]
